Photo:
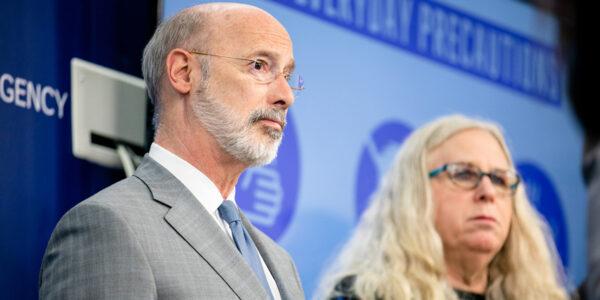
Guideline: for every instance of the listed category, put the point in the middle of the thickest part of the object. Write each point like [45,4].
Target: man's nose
[283,95]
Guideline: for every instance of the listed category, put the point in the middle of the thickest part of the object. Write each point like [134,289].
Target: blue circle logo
[268,194]
[376,158]
[543,195]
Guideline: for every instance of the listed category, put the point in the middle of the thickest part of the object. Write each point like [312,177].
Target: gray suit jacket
[147,237]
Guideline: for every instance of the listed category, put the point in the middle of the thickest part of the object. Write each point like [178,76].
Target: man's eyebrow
[264,53]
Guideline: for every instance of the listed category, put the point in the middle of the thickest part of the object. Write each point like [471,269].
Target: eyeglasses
[468,176]
[264,71]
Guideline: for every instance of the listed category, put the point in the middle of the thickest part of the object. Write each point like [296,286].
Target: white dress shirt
[206,192]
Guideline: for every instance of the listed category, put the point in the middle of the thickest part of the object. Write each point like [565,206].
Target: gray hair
[176,32]
[396,252]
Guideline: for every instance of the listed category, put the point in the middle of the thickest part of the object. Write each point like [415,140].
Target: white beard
[240,138]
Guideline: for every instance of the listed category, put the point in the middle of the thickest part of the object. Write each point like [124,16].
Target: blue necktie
[243,241]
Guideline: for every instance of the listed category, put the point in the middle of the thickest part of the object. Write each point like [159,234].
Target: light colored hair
[396,252]
[176,32]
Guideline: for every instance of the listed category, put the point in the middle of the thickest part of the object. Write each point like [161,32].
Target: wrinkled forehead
[249,31]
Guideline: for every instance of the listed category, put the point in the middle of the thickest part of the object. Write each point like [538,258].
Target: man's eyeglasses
[264,71]
[468,176]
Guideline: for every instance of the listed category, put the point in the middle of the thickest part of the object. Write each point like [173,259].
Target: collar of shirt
[207,194]
[203,189]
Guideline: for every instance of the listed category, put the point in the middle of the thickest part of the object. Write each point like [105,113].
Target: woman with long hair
[451,220]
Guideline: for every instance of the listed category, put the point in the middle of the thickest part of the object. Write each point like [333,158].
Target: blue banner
[39,178]
[451,37]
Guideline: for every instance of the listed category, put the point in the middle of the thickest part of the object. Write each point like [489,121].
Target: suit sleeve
[94,254]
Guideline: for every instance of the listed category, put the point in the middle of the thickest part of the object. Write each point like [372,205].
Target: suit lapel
[195,225]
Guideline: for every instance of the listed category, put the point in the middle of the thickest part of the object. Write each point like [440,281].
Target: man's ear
[178,70]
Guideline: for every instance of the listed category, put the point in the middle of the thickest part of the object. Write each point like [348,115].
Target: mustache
[278,115]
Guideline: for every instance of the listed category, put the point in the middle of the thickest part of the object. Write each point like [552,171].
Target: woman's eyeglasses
[468,176]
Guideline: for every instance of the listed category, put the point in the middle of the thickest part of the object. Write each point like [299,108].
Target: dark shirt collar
[462,295]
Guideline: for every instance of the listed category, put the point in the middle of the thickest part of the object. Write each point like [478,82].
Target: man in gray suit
[220,78]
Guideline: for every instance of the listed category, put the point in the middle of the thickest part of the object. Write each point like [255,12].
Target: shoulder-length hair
[396,252]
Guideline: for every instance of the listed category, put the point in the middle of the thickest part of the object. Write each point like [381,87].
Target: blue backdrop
[374,71]
[39,177]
